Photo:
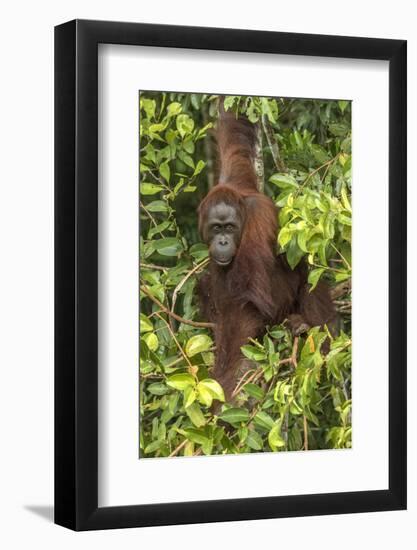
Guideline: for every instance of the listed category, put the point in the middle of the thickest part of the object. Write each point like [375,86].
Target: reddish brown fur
[258,288]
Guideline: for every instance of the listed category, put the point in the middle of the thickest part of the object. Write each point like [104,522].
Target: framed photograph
[230,252]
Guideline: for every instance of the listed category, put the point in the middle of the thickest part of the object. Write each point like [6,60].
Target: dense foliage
[293,397]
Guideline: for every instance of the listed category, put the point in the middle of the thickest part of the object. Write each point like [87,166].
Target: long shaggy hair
[258,288]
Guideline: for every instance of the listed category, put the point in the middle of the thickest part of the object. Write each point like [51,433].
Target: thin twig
[177,343]
[146,291]
[273,145]
[341,255]
[208,148]
[258,161]
[148,214]
[305,433]
[185,279]
[256,374]
[325,173]
[173,363]
[158,180]
[285,428]
[180,446]
[240,385]
[309,176]
[294,352]
[153,266]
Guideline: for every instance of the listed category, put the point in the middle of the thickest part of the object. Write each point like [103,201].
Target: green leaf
[154,230]
[208,358]
[178,186]
[243,433]
[339,277]
[149,106]
[254,440]
[320,154]
[189,448]
[151,340]
[252,112]
[295,408]
[202,132]
[346,220]
[234,415]
[267,110]
[189,396]
[152,277]
[294,253]
[213,387]
[253,352]
[155,128]
[169,246]
[314,277]
[284,181]
[284,236]
[195,415]
[339,130]
[204,396]
[170,136]
[345,200]
[207,447]
[197,344]
[229,100]
[150,188]
[174,109]
[157,291]
[145,324]
[263,420]
[157,388]
[343,104]
[254,391]
[346,145]
[165,171]
[302,240]
[274,437]
[186,159]
[195,100]
[200,165]
[197,436]
[188,144]
[154,446]
[181,381]
[199,251]
[157,206]
[185,124]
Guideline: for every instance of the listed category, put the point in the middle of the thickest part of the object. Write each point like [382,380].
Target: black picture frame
[76,271]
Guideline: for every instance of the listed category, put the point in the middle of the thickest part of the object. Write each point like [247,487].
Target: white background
[26,400]
[123,479]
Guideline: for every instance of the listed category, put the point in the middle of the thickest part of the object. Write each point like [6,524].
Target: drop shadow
[45,512]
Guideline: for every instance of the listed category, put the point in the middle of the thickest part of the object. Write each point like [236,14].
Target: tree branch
[146,291]
[259,160]
[178,449]
[184,280]
[341,289]
[294,352]
[273,145]
[177,343]
[308,177]
[305,433]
